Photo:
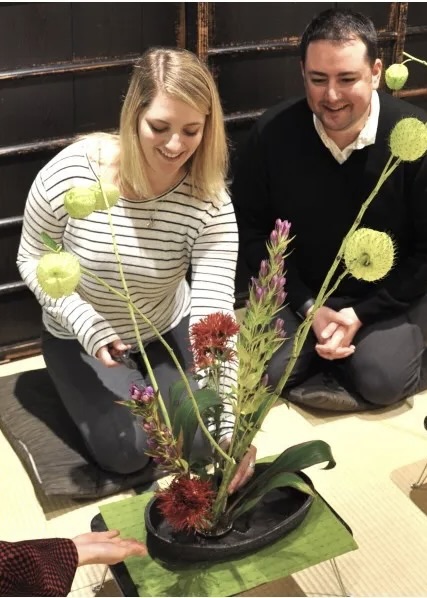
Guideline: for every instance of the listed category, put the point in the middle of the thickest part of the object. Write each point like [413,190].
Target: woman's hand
[108,354]
[106,548]
[244,471]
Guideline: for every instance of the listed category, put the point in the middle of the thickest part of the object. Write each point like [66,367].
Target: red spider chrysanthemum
[186,504]
[210,339]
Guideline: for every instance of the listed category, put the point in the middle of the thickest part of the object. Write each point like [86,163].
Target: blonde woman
[173,215]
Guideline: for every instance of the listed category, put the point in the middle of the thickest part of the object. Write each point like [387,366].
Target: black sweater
[286,172]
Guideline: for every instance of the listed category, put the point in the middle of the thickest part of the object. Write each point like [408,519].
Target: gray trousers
[386,367]
[90,391]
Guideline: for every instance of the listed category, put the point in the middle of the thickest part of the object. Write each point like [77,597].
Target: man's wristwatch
[303,309]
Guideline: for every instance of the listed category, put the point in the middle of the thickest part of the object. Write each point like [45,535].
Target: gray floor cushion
[37,426]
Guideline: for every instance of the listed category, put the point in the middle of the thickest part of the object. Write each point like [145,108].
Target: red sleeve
[37,567]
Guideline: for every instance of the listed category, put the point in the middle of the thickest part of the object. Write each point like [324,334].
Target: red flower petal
[186,504]
[210,339]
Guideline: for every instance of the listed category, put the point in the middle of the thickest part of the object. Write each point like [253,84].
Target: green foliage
[182,412]
[50,243]
[281,474]
[253,496]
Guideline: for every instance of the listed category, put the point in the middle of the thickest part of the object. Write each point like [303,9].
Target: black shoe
[323,391]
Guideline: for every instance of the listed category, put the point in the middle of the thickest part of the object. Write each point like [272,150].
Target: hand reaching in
[244,471]
[108,354]
[106,548]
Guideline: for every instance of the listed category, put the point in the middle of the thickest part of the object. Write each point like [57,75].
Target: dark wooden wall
[64,68]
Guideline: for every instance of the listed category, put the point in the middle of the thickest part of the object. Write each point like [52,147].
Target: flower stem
[215,446]
[219,505]
[132,310]
[323,294]
[415,59]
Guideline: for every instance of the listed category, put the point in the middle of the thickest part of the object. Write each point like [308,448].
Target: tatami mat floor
[378,456]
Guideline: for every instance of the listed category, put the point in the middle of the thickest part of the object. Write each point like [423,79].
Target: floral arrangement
[197,499]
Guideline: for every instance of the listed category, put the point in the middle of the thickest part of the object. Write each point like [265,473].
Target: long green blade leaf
[185,419]
[281,480]
[292,460]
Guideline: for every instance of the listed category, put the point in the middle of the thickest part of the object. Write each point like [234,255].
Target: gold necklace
[152,216]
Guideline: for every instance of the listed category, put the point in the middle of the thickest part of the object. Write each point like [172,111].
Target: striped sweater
[184,232]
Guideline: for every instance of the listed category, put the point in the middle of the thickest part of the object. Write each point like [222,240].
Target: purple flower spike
[280,297]
[279,261]
[278,326]
[263,270]
[280,283]
[283,228]
[151,443]
[259,294]
[136,392]
[149,427]
[147,394]
[274,237]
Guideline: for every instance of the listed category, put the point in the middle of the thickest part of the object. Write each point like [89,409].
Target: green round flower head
[408,139]
[58,274]
[112,193]
[80,202]
[396,76]
[369,254]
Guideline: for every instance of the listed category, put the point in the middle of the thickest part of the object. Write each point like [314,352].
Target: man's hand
[108,353]
[244,471]
[326,321]
[335,340]
[106,548]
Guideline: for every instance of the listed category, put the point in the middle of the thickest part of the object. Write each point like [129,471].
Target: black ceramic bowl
[276,514]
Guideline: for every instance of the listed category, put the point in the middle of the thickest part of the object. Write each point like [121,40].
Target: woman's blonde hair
[181,75]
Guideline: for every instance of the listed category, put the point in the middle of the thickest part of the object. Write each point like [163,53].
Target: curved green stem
[302,332]
[173,357]
[323,295]
[132,310]
[414,58]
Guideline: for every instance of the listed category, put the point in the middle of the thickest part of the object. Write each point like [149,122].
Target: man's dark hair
[341,25]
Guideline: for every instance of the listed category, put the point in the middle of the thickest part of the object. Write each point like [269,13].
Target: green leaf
[280,480]
[245,333]
[50,243]
[185,417]
[292,459]
[300,456]
[177,393]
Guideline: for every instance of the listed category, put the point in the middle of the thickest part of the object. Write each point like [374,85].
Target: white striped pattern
[185,231]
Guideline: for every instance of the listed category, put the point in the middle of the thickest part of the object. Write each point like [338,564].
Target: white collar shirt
[366,136]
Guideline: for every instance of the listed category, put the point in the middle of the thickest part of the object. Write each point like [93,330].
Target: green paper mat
[320,537]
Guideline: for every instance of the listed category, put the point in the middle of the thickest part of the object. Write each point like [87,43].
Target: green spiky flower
[80,202]
[408,139]
[396,76]
[58,274]
[369,254]
[111,191]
